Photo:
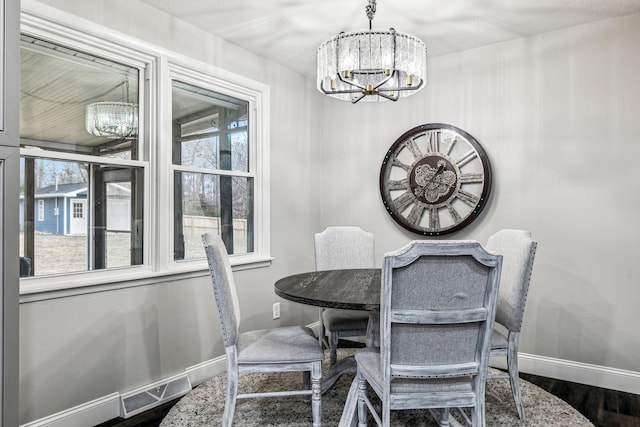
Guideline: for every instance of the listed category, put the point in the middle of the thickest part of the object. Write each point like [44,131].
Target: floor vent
[142,399]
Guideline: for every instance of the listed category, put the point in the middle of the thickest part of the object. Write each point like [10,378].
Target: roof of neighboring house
[61,190]
[78,189]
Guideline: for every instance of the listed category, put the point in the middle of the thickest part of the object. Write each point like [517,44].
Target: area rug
[204,405]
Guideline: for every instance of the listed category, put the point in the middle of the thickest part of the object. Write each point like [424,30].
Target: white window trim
[160,64]
[258,97]
[40,210]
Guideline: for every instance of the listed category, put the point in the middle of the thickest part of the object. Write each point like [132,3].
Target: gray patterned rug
[204,405]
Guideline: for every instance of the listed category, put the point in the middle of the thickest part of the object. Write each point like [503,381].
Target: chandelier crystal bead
[371,65]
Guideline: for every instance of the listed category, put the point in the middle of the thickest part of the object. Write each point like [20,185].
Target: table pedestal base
[342,366]
[348,364]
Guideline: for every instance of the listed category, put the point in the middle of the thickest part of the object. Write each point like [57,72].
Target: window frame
[40,210]
[257,96]
[158,66]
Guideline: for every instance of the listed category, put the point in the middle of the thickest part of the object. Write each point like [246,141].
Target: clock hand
[438,172]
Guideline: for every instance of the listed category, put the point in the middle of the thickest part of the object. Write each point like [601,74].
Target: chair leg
[333,348]
[232,390]
[479,411]
[362,406]
[514,379]
[444,418]
[316,394]
[306,385]
[475,422]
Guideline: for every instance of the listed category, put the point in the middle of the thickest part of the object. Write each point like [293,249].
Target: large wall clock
[435,179]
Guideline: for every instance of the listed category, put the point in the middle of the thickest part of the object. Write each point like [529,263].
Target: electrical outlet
[276,310]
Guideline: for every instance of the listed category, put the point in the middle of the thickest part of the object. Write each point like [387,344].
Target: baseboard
[109,407]
[87,414]
[203,371]
[577,372]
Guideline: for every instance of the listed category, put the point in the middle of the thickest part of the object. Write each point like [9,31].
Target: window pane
[66,237]
[75,102]
[212,203]
[209,129]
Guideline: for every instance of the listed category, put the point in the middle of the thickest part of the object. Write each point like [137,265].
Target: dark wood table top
[354,289]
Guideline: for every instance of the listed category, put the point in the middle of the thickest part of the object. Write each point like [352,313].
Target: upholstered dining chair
[438,305]
[336,248]
[283,349]
[518,250]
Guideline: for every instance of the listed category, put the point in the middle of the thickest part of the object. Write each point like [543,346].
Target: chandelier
[371,65]
[113,119]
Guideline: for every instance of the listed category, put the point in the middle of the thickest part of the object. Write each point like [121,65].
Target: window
[40,210]
[79,152]
[120,181]
[213,185]
[78,210]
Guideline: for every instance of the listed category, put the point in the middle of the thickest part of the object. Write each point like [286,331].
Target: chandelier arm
[336,92]
[349,82]
[386,79]
[407,88]
[392,98]
[355,100]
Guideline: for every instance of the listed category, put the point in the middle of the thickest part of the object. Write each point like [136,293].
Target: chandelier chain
[370,9]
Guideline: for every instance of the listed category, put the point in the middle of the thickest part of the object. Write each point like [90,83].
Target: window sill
[68,285]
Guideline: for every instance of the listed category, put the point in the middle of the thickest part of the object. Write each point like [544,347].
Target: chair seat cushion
[345,320]
[289,344]
[499,341]
[368,361]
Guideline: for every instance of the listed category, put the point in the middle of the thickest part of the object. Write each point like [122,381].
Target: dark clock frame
[484,195]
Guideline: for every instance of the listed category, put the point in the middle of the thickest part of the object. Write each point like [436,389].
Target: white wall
[76,349]
[559,117]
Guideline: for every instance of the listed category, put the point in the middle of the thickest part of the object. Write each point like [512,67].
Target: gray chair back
[519,251]
[342,247]
[224,288]
[438,307]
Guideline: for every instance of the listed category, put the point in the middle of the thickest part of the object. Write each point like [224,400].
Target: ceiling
[286,31]
[289,31]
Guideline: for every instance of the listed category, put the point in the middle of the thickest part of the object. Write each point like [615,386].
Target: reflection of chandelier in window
[113,119]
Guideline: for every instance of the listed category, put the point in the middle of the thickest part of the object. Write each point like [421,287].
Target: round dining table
[351,289]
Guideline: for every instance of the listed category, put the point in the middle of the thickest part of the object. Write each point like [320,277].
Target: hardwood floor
[603,407]
[150,418]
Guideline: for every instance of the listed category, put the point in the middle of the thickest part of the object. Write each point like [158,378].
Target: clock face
[435,179]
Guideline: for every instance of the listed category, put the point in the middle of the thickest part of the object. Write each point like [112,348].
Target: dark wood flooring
[603,407]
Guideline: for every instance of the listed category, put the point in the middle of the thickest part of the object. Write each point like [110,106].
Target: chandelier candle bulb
[409,80]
